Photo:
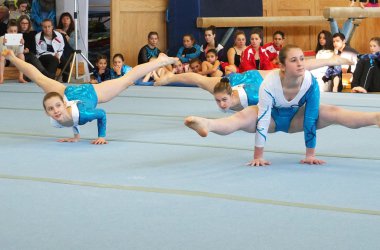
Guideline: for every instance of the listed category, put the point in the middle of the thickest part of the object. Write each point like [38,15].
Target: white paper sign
[13,39]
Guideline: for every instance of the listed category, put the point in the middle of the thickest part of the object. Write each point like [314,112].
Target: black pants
[65,73]
[50,63]
[32,59]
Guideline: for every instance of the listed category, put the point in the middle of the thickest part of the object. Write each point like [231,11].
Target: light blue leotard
[251,80]
[274,104]
[87,101]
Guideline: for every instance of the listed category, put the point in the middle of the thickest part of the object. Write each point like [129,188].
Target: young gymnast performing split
[238,90]
[288,102]
[71,106]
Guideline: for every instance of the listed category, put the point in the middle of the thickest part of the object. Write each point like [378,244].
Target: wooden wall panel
[307,37]
[131,21]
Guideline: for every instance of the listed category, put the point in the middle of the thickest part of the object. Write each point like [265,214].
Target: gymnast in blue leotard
[288,102]
[237,90]
[72,106]
[232,93]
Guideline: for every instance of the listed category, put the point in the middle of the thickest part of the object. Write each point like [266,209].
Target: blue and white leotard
[274,104]
[83,101]
[247,84]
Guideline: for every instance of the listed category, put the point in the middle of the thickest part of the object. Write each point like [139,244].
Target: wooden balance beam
[267,21]
[350,12]
[354,15]
[270,21]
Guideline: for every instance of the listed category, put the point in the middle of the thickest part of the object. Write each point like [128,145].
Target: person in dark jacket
[150,50]
[367,74]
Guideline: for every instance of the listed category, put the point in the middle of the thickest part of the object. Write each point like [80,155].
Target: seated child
[332,79]
[101,72]
[196,65]
[179,67]
[119,68]
[17,49]
[21,8]
[189,50]
[211,67]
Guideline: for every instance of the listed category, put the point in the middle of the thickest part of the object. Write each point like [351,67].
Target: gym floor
[158,185]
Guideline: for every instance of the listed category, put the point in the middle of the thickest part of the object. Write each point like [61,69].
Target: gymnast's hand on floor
[260,162]
[311,160]
[75,139]
[99,141]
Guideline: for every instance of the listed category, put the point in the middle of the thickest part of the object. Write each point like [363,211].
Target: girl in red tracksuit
[254,56]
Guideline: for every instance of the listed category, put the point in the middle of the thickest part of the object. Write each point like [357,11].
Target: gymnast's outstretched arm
[335,60]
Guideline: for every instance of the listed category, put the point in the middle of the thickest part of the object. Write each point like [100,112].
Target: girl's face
[178,67]
[338,43]
[278,40]
[255,40]
[211,58]
[374,47]
[223,100]
[209,37]
[24,24]
[153,40]
[187,42]
[66,21]
[322,39]
[195,67]
[22,7]
[118,62]
[56,109]
[12,30]
[240,40]
[47,27]
[102,64]
[294,63]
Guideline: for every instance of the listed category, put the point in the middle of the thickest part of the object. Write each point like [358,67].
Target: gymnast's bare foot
[163,79]
[198,124]
[362,5]
[21,80]
[164,60]
[378,119]
[8,54]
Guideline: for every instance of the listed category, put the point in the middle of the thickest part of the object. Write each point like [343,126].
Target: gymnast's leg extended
[107,90]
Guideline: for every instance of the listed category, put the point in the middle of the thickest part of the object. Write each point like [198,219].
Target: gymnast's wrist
[259,152]
[310,152]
